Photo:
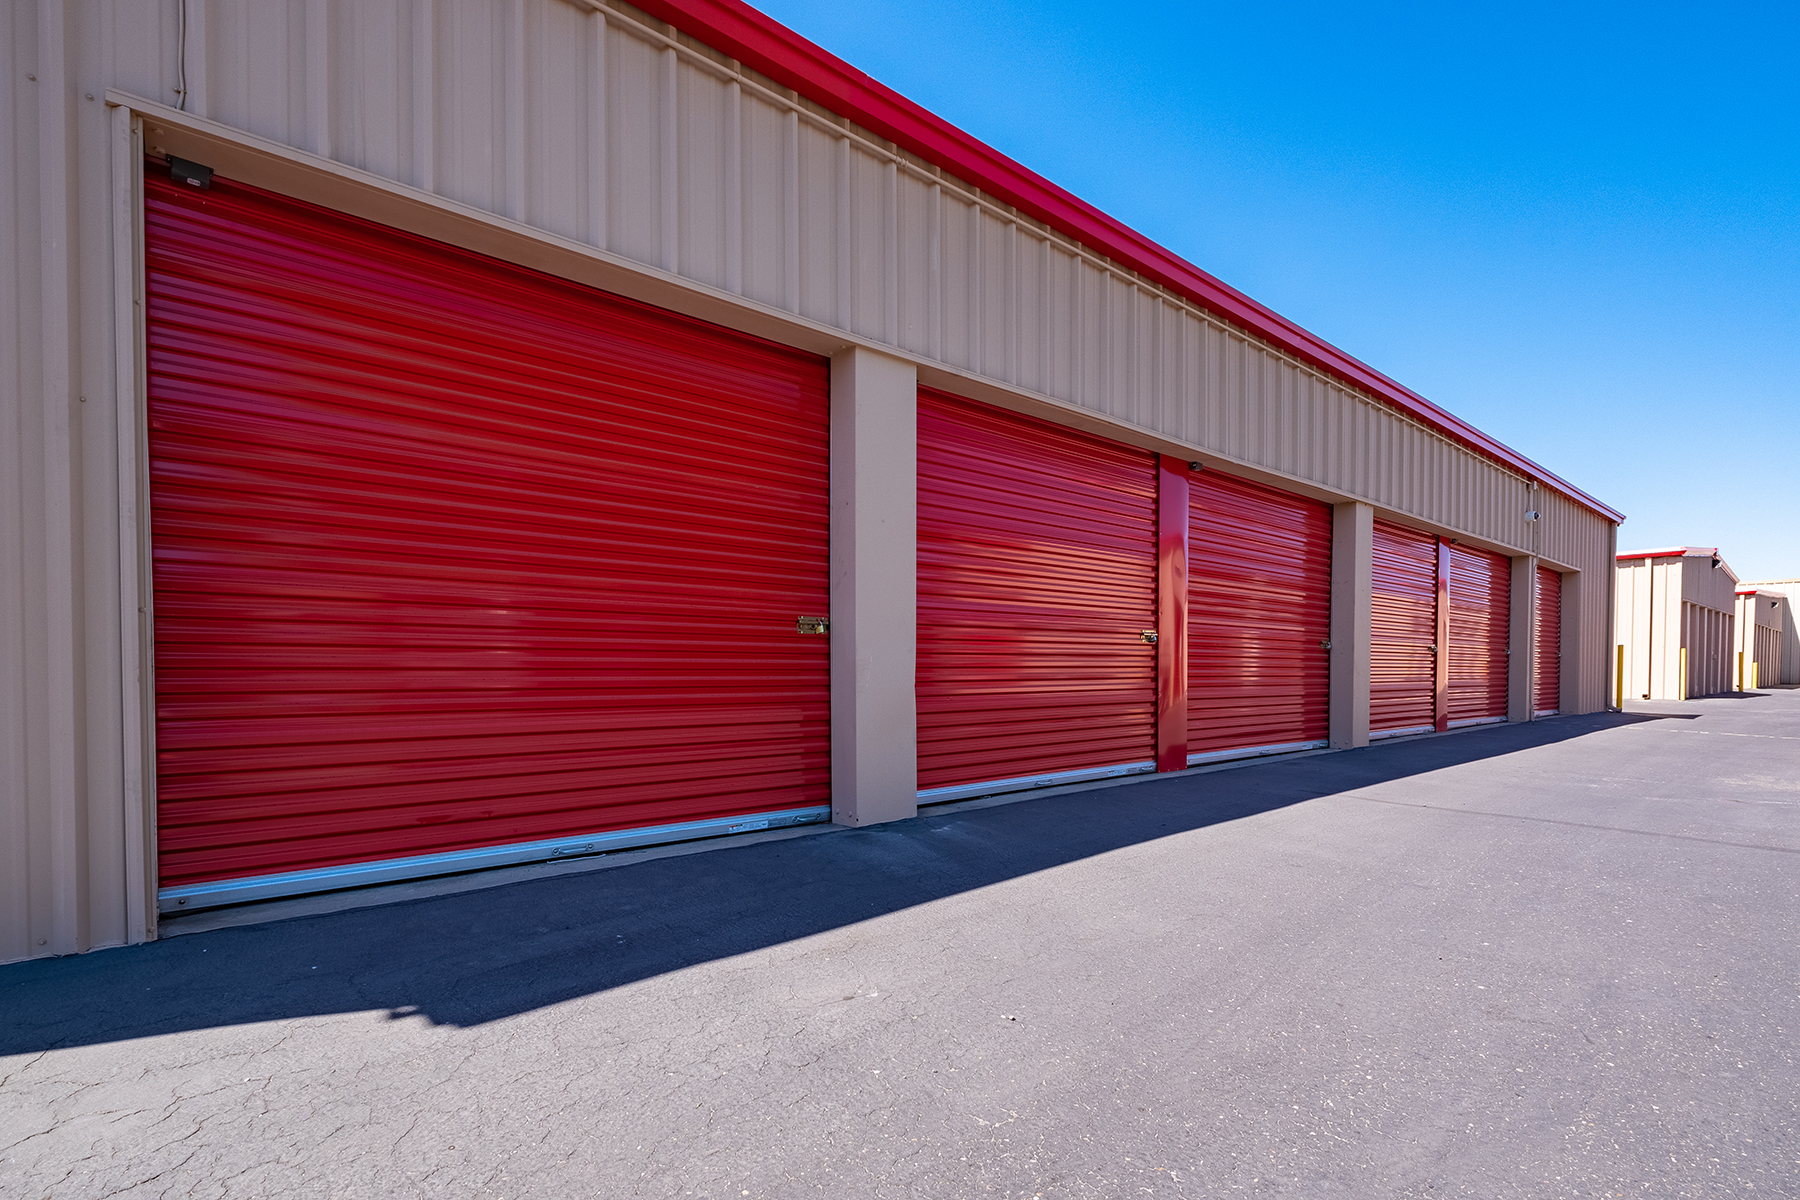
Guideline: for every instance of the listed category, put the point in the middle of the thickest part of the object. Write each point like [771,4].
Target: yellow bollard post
[1683,680]
[1619,681]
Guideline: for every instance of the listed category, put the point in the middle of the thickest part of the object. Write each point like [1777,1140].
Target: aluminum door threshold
[197,896]
[968,791]
[1213,756]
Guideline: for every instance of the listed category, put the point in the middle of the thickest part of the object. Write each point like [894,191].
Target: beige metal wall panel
[62,870]
[598,128]
[1580,544]
[1702,637]
[1706,585]
[1665,672]
[1718,652]
[1669,604]
[1760,637]
[1790,636]
[1635,581]
[24,808]
[1659,617]
[602,129]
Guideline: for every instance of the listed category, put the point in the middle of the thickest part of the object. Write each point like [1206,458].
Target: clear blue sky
[1577,227]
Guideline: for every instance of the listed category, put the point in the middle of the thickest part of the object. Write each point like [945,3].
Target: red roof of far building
[1674,552]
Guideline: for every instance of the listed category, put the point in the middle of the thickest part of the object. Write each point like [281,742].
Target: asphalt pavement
[1545,960]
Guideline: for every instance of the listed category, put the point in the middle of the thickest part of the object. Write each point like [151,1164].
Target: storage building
[447,433]
[1765,622]
[1789,590]
[1676,624]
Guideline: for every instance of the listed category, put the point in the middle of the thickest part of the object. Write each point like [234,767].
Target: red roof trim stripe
[765,45]
[1674,552]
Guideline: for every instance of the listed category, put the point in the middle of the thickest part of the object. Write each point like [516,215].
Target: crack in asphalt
[1500,816]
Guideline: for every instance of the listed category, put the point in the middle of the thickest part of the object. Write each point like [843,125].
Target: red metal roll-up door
[1547,687]
[451,554]
[1259,614]
[1480,592]
[1403,628]
[1037,580]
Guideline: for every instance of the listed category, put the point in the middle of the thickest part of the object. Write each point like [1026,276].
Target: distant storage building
[1676,624]
[445,435]
[1765,621]
[1789,591]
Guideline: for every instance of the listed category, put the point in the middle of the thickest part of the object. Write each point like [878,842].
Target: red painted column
[1171,613]
[1441,685]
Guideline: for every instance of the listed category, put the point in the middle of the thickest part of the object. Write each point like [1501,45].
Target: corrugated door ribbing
[1259,611]
[1037,579]
[1547,628]
[1480,594]
[452,554]
[1403,627]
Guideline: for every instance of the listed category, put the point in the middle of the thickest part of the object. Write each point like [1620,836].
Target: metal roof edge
[771,48]
[1674,552]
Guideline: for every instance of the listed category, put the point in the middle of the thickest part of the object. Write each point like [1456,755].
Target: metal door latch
[1432,647]
[812,624]
[1149,636]
[1324,643]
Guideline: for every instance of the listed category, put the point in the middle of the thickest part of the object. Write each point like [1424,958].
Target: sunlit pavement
[1532,961]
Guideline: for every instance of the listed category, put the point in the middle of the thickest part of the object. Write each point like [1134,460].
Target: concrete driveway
[1535,961]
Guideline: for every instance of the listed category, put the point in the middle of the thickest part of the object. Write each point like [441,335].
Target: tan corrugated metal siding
[601,129]
[1761,623]
[1707,585]
[62,836]
[1572,539]
[1790,637]
[1667,604]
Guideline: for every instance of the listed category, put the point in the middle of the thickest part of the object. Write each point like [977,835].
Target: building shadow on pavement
[478,956]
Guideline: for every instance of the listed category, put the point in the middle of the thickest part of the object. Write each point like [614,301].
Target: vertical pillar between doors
[874,587]
[1521,676]
[1352,589]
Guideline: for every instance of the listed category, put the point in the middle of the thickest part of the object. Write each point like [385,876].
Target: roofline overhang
[765,45]
[1674,552]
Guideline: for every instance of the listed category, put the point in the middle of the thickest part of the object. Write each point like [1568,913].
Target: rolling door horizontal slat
[1547,689]
[451,554]
[1259,611]
[1403,628]
[1480,593]
[1037,577]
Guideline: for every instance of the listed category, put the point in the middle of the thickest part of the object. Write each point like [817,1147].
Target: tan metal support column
[874,587]
[1352,583]
[1521,674]
[1577,649]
